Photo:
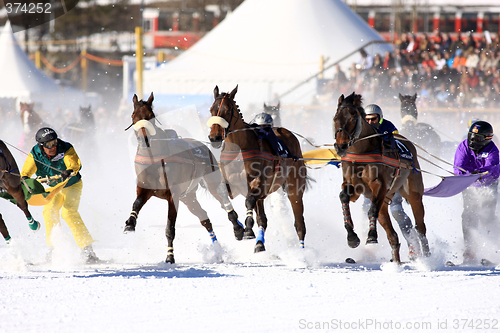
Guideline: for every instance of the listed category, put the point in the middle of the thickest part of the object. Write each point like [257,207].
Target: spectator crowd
[444,72]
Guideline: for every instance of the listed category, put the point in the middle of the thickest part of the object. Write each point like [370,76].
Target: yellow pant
[69,200]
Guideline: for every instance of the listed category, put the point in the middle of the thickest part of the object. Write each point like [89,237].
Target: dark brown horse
[10,181]
[171,168]
[251,168]
[274,111]
[422,134]
[367,172]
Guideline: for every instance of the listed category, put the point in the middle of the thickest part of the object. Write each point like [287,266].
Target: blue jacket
[486,160]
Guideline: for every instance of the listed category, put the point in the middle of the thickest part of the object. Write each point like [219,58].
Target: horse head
[86,115]
[274,111]
[143,120]
[27,117]
[225,116]
[348,122]
[408,108]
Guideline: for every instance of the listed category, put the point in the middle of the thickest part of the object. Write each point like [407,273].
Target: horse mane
[355,100]
[222,95]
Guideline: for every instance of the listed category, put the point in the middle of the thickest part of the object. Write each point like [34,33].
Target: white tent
[267,47]
[24,82]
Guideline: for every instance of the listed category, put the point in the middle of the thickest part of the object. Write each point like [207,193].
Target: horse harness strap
[375,158]
[253,154]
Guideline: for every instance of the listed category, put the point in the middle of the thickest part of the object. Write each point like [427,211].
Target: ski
[483,262]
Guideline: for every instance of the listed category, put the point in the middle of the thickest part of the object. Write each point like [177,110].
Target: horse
[171,168]
[80,130]
[274,111]
[81,133]
[367,171]
[251,168]
[31,121]
[421,134]
[10,181]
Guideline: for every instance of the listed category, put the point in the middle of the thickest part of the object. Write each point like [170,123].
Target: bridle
[218,119]
[357,129]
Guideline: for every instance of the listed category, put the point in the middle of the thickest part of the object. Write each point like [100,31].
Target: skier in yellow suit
[49,157]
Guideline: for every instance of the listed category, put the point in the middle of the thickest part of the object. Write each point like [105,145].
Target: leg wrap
[212,236]
[260,234]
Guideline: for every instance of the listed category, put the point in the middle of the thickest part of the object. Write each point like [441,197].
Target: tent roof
[22,80]
[267,47]
[20,75]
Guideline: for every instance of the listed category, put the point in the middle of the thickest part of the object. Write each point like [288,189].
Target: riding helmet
[45,134]
[480,135]
[263,119]
[374,109]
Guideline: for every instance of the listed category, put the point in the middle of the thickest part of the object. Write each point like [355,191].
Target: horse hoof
[248,234]
[170,259]
[129,228]
[372,237]
[239,232]
[259,247]
[353,242]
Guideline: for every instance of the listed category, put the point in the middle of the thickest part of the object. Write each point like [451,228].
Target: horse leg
[194,207]
[173,203]
[143,196]
[352,239]
[295,189]
[18,194]
[3,229]
[250,203]
[377,200]
[392,235]
[222,195]
[417,206]
[262,223]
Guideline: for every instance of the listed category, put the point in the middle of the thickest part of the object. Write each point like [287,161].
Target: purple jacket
[486,160]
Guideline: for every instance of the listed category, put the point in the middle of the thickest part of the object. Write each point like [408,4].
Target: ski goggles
[50,144]
[479,137]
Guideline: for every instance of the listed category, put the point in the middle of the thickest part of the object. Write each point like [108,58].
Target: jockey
[264,122]
[478,154]
[375,117]
[49,157]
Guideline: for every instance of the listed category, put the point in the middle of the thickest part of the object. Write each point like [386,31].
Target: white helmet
[374,109]
[263,119]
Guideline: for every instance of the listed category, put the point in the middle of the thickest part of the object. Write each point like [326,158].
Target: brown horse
[251,168]
[10,181]
[171,168]
[367,171]
[31,121]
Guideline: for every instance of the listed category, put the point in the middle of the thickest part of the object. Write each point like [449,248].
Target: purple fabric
[451,186]
[486,160]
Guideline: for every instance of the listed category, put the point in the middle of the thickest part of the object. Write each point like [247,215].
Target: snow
[225,287]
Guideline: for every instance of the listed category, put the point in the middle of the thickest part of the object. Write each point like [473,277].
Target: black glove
[66,173]
[474,172]
[25,177]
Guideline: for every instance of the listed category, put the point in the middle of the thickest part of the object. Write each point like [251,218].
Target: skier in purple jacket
[478,154]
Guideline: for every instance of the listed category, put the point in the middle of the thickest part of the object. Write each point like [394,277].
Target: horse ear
[265,106]
[233,93]
[401,97]
[216,92]
[278,106]
[414,97]
[134,99]
[151,98]
[341,99]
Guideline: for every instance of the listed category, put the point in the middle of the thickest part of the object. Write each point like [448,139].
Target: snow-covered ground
[225,287]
